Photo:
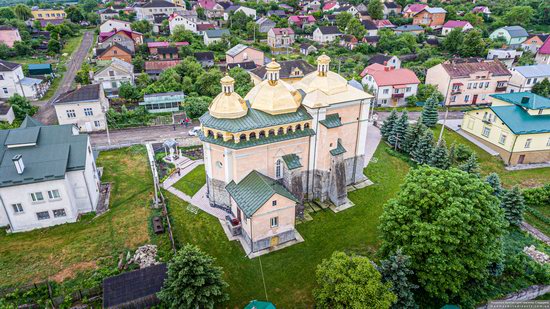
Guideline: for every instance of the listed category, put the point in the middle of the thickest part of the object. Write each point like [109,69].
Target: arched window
[210,133]
[271,132]
[280,131]
[306,125]
[219,135]
[298,127]
[252,135]
[278,169]
[242,137]
[262,134]
[289,129]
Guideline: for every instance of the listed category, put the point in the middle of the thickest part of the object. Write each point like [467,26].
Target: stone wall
[337,190]
[217,193]
[358,163]
[266,242]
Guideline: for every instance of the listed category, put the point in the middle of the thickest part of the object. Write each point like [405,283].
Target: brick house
[431,17]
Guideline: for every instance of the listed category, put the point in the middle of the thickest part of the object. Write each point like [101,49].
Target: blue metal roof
[519,120]
[529,71]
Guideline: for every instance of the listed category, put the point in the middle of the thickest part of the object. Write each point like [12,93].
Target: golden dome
[323,59]
[228,104]
[273,65]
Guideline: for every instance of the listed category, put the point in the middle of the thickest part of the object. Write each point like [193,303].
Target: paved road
[46,112]
[416,115]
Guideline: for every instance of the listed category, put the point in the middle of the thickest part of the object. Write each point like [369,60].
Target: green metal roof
[56,152]
[255,304]
[292,161]
[331,121]
[22,136]
[535,101]
[254,119]
[256,141]
[338,150]
[254,190]
[519,120]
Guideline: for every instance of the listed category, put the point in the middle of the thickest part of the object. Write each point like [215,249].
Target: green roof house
[47,176]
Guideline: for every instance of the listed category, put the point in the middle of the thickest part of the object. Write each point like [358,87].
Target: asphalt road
[416,115]
[46,111]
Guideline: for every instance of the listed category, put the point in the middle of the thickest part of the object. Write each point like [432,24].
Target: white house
[6,113]
[47,176]
[391,87]
[12,81]
[84,107]
[214,35]
[113,75]
[505,55]
[147,10]
[525,77]
[188,22]
[114,24]
[326,34]
[239,8]
[452,24]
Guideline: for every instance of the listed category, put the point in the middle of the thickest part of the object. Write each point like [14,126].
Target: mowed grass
[65,251]
[489,164]
[290,273]
[193,181]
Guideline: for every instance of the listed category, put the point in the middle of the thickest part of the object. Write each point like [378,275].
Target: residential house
[188,22]
[85,107]
[412,9]
[247,66]
[265,24]
[147,10]
[42,36]
[165,102]
[135,36]
[6,113]
[383,23]
[211,8]
[371,40]
[301,21]
[48,14]
[363,15]
[239,8]
[48,176]
[516,125]
[346,8]
[106,14]
[306,49]
[412,29]
[278,13]
[370,26]
[154,68]
[292,71]
[452,24]
[390,87]
[243,53]
[386,60]
[114,50]
[465,82]
[326,34]
[206,59]
[481,10]
[215,35]
[330,19]
[13,81]
[154,46]
[526,76]
[543,54]
[348,41]
[534,42]
[505,55]
[112,25]
[113,75]
[391,8]
[125,38]
[330,6]
[430,17]
[9,35]
[512,35]
[280,37]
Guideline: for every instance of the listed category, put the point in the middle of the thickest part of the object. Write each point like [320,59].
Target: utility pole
[106,124]
[443,125]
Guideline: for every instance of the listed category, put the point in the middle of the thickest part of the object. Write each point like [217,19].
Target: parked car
[194,131]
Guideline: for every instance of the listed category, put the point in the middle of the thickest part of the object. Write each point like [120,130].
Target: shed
[40,69]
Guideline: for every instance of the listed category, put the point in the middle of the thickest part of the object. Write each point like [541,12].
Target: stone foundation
[266,242]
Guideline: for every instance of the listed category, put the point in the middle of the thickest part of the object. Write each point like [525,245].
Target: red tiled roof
[456,70]
[160,65]
[202,27]
[302,18]
[545,48]
[207,4]
[415,8]
[391,77]
[165,44]
[280,31]
[455,24]
[329,6]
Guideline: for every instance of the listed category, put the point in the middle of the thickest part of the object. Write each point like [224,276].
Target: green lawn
[290,273]
[193,181]
[66,251]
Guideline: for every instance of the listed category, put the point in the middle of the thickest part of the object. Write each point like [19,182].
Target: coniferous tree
[396,269]
[471,165]
[513,204]
[440,156]
[452,154]
[388,124]
[423,149]
[397,135]
[412,135]
[429,111]
[494,181]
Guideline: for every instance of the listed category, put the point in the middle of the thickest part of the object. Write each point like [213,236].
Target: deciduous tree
[542,88]
[375,9]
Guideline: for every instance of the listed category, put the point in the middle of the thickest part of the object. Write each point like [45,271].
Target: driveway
[46,111]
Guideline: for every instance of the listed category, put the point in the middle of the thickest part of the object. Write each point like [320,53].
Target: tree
[396,270]
[22,12]
[342,20]
[243,82]
[74,14]
[355,28]
[388,124]
[139,63]
[513,204]
[397,134]
[474,19]
[5,51]
[350,282]
[451,226]
[494,181]
[129,92]
[429,111]
[471,165]
[21,106]
[193,281]
[375,9]
[519,15]
[83,75]
[22,48]
[440,156]
[472,45]
[412,136]
[93,18]
[196,106]
[208,83]
[542,88]
[7,13]
[142,26]
[426,90]
[423,149]
[453,40]
[54,47]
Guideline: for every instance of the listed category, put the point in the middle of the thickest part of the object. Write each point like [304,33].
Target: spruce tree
[494,181]
[440,156]
[423,149]
[513,204]
[429,111]
[396,270]
[412,136]
[388,124]
[452,154]
[471,165]
[397,135]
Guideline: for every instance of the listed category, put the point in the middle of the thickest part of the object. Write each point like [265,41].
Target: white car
[194,131]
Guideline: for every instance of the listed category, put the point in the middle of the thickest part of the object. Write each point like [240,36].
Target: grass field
[193,181]
[65,251]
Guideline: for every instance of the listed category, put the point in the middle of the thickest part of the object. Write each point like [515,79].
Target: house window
[71,113]
[274,203]
[548,142]
[5,90]
[528,81]
[53,194]
[486,84]
[385,91]
[1,77]
[469,85]
[408,89]
[17,208]
[475,85]
[97,123]
[278,169]
[453,98]
[274,221]
[540,111]
[88,111]
[502,139]
[111,73]
[59,213]
[486,131]
[466,98]
[528,143]
[37,196]
[500,84]
[43,215]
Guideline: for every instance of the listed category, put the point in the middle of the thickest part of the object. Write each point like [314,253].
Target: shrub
[537,196]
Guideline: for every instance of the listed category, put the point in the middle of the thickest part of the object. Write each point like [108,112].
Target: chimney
[524,100]
[18,162]
[386,69]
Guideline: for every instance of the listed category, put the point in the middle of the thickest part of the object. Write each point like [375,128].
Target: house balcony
[500,89]
[456,91]
[234,225]
[397,95]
